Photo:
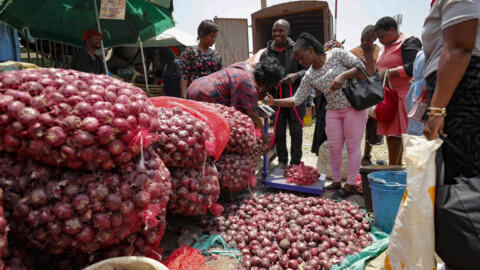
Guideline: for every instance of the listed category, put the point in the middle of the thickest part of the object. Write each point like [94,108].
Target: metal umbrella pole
[100,31]
[143,62]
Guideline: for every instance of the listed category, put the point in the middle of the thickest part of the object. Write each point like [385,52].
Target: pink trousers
[345,126]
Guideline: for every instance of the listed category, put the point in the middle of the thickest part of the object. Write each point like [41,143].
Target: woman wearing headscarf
[200,60]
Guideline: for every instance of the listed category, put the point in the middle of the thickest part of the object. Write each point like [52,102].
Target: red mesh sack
[181,141]
[187,258]
[65,211]
[74,119]
[235,172]
[217,123]
[242,131]
[193,190]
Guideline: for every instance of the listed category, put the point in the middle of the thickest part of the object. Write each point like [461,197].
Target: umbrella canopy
[171,37]
[66,20]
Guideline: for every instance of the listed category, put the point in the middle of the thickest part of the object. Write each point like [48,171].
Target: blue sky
[353,15]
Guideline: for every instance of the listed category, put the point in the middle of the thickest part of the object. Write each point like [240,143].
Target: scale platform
[277,180]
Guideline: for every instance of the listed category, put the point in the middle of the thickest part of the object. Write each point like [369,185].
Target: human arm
[302,93]
[370,62]
[458,44]
[185,65]
[349,60]
[352,73]
[183,88]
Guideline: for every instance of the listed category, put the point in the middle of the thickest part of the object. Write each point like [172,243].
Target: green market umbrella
[66,20]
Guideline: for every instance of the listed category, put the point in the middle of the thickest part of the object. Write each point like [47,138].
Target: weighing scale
[276,179]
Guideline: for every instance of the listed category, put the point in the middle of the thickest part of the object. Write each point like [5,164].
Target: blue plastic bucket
[387,190]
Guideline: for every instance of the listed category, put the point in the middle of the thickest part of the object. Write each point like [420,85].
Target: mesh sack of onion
[242,131]
[284,231]
[236,172]
[58,210]
[194,191]
[74,119]
[181,140]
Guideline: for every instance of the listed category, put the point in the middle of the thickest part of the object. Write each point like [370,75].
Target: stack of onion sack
[59,211]
[236,166]
[74,119]
[182,145]
[283,231]
[301,174]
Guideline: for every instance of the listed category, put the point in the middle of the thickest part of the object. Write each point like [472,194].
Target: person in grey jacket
[281,48]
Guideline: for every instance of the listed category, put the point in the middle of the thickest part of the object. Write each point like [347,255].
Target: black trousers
[286,116]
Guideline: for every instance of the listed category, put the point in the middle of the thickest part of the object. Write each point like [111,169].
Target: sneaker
[343,192]
[333,187]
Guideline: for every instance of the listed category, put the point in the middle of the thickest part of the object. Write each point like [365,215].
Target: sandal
[343,192]
[333,187]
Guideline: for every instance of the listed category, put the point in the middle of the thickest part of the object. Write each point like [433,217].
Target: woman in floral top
[327,74]
[200,61]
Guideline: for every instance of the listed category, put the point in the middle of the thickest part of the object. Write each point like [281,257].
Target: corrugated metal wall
[232,40]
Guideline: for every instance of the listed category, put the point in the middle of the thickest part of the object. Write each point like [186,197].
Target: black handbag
[364,94]
[457,217]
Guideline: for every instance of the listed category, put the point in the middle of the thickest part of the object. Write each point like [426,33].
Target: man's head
[280,31]
[368,37]
[92,39]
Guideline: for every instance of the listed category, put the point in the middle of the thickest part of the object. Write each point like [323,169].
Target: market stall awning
[66,20]
[171,37]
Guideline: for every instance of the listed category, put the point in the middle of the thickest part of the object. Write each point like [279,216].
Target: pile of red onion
[67,211]
[74,119]
[279,231]
[181,139]
[301,174]
[193,190]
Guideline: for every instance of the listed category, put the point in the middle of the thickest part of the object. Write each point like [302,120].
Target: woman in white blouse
[327,74]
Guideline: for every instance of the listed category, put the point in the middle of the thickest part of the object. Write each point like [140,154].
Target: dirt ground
[185,230]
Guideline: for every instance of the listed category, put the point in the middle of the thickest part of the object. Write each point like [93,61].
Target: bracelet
[437,109]
[440,114]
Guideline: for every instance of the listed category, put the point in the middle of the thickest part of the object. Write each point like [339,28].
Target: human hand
[433,127]
[268,99]
[337,83]
[290,78]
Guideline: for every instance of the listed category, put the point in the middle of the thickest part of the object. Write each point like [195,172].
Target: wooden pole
[336,8]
